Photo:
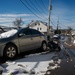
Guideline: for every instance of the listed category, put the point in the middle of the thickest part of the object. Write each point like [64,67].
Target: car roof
[26,28]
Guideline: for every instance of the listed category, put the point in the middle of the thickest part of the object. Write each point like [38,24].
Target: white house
[38,25]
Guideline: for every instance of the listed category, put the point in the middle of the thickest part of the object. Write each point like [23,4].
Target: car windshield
[8,33]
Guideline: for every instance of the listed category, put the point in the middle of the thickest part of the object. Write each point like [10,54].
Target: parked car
[15,41]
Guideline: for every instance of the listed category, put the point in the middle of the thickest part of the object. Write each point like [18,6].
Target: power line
[54,14]
[34,8]
[44,4]
[53,23]
[53,20]
[40,7]
[30,9]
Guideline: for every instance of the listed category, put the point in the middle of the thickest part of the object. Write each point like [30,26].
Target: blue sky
[38,10]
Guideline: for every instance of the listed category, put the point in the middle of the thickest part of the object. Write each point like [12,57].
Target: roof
[32,24]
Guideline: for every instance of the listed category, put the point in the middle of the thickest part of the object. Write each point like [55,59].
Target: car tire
[10,51]
[44,46]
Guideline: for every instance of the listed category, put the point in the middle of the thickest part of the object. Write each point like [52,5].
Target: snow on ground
[35,64]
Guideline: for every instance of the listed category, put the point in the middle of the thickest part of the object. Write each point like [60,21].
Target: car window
[35,32]
[25,32]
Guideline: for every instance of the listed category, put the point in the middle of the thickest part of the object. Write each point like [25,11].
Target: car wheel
[10,51]
[44,46]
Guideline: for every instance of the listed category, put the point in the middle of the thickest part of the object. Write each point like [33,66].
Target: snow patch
[33,65]
[8,33]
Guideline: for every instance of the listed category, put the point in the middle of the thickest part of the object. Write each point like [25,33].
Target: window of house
[40,28]
[37,28]
[39,24]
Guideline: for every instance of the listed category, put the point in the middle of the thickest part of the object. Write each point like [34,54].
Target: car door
[25,40]
[37,38]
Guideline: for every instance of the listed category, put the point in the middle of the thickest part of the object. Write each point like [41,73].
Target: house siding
[41,27]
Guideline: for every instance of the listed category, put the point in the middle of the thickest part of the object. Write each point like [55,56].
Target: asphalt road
[66,66]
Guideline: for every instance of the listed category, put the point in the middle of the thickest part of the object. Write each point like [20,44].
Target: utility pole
[58,25]
[48,26]
[49,13]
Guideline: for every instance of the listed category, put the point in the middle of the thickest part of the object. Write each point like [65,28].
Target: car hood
[8,33]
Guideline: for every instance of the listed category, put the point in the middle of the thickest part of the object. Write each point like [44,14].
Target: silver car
[14,41]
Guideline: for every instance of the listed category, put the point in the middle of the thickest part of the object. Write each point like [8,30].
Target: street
[64,65]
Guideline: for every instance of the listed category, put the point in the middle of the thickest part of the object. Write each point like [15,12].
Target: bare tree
[18,22]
